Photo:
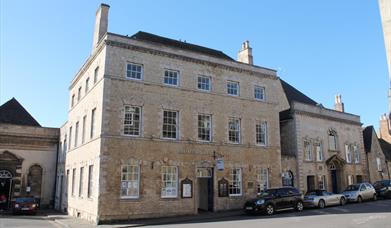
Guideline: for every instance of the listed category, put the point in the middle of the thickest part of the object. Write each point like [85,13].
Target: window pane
[170,124]
[134,71]
[132,120]
[130,181]
[171,77]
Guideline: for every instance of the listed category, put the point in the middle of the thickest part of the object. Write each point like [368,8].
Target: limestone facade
[148,174]
[28,162]
[322,148]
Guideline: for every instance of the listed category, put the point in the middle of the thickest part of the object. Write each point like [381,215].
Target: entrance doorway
[310,183]
[5,189]
[205,189]
[334,181]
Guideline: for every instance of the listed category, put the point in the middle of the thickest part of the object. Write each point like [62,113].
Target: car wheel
[321,204]
[374,197]
[359,199]
[342,201]
[269,209]
[299,206]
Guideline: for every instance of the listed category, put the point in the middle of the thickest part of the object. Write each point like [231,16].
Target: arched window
[287,178]
[332,140]
[35,180]
[5,174]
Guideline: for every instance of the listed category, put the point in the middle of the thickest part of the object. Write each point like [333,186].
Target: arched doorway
[34,181]
[5,188]
[288,178]
[335,166]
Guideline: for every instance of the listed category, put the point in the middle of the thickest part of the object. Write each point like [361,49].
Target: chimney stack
[339,105]
[101,24]
[245,55]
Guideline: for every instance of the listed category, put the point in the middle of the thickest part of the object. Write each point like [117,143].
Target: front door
[310,183]
[205,190]
[334,181]
[5,190]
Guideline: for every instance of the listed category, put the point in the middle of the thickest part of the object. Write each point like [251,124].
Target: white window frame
[127,71]
[262,179]
[348,153]
[199,128]
[90,184]
[322,182]
[357,156]
[308,155]
[319,152]
[201,83]
[378,163]
[163,193]
[130,181]
[81,182]
[86,89]
[176,125]
[258,135]
[238,131]
[232,182]
[132,124]
[237,89]
[76,134]
[168,77]
[263,89]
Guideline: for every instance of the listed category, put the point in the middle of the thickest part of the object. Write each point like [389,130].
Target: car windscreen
[24,200]
[313,193]
[379,184]
[352,187]
[269,192]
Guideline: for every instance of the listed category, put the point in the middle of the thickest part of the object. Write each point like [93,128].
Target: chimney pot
[101,24]
[339,105]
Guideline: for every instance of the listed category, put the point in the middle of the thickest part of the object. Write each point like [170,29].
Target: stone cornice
[186,58]
[316,115]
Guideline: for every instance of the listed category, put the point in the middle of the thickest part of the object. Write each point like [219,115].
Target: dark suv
[275,199]
[383,188]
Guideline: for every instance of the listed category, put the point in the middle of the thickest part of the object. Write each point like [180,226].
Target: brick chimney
[101,24]
[245,55]
[339,105]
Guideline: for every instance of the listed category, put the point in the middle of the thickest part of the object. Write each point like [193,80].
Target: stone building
[321,148]
[27,156]
[377,162]
[159,127]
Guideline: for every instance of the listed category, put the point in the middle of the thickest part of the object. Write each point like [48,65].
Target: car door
[282,198]
[328,197]
[363,192]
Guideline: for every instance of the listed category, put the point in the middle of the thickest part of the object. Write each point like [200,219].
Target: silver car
[360,192]
[322,198]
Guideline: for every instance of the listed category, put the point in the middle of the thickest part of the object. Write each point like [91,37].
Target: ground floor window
[287,178]
[235,185]
[311,183]
[130,177]
[262,179]
[322,182]
[169,182]
[350,179]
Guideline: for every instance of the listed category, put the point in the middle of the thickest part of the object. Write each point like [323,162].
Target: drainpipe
[55,176]
[368,173]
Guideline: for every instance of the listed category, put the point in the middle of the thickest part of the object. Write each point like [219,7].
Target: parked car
[360,192]
[275,199]
[323,198]
[24,205]
[383,188]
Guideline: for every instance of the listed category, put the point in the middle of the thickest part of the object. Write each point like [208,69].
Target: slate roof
[292,94]
[386,147]
[367,134]
[12,112]
[144,36]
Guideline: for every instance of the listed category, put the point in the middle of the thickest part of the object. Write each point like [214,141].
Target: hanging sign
[220,164]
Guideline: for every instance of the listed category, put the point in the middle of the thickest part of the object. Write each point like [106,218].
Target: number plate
[25,209]
[249,208]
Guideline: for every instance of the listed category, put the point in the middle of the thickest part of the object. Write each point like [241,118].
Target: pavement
[366,215]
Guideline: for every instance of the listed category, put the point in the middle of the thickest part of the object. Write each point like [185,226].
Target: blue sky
[320,47]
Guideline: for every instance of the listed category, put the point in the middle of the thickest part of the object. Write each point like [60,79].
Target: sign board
[223,188]
[220,164]
[187,188]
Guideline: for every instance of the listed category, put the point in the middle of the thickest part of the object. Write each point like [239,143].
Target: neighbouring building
[159,127]
[321,148]
[376,160]
[386,147]
[27,156]
[385,13]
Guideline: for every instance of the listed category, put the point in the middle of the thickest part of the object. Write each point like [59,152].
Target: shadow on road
[381,206]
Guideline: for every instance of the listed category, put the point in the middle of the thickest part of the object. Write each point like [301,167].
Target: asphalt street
[369,214]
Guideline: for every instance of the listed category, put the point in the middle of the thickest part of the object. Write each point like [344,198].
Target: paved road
[366,215]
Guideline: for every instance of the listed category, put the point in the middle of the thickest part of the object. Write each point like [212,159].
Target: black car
[275,199]
[383,188]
